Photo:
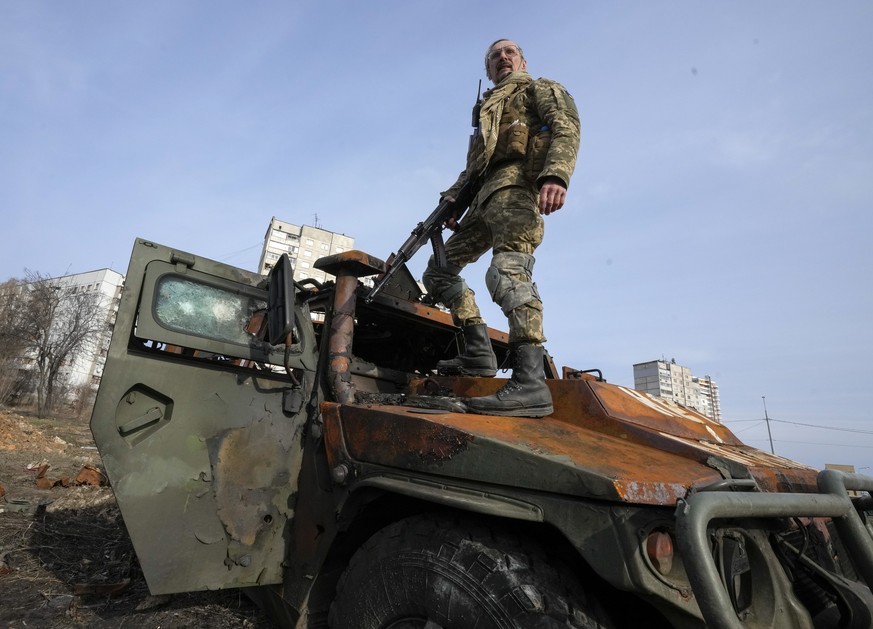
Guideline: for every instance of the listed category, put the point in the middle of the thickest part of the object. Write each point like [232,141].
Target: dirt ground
[65,557]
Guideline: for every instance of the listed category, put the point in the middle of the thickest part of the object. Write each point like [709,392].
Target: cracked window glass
[194,308]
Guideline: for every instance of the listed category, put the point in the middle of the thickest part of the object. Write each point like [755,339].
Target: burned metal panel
[602,407]
[670,427]
[333,437]
[252,476]
[771,472]
[661,415]
[459,386]
[526,453]
[663,450]
[354,262]
[221,472]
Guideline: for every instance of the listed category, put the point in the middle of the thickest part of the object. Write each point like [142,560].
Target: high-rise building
[304,245]
[86,367]
[708,398]
[671,381]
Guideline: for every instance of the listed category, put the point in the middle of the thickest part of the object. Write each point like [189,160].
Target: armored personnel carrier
[293,439]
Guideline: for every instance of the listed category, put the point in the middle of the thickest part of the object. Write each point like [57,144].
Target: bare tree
[11,342]
[59,320]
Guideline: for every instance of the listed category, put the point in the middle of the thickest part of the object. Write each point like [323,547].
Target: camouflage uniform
[529,131]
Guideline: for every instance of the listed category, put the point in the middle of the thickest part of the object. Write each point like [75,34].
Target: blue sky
[720,213]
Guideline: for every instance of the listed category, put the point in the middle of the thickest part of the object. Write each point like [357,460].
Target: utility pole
[767,419]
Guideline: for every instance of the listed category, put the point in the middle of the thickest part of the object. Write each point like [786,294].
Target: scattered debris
[65,557]
[101,589]
[17,505]
[90,475]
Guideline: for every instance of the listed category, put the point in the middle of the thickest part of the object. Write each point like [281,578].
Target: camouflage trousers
[510,226]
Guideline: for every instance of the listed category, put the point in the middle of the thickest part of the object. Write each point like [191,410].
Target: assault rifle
[431,229]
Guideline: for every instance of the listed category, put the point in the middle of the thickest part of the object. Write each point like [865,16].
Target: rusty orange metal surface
[357,263]
[333,435]
[534,454]
[602,440]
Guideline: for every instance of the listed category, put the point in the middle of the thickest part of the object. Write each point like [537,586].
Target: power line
[817,443]
[853,430]
[805,425]
[236,253]
[783,421]
[758,423]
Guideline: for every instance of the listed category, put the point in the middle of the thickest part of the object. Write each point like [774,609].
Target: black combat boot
[477,359]
[526,394]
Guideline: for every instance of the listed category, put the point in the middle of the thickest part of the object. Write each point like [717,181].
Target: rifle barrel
[428,229]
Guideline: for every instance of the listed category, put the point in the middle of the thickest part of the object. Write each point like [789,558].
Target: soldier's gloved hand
[452,223]
[553,193]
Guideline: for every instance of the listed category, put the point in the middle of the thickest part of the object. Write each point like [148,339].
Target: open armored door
[199,423]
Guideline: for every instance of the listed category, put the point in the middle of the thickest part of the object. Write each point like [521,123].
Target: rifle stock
[431,229]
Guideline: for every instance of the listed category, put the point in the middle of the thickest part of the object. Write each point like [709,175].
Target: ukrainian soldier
[522,159]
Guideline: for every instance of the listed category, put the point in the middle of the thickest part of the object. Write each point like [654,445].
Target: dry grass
[65,557]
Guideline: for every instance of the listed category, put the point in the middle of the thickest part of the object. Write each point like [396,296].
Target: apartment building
[86,367]
[304,245]
[671,381]
[708,397]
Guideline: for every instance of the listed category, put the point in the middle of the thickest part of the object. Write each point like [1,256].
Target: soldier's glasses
[511,52]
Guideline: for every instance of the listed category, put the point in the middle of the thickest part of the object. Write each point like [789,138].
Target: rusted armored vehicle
[293,439]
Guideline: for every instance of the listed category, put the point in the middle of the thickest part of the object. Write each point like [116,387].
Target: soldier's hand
[553,193]
[452,222]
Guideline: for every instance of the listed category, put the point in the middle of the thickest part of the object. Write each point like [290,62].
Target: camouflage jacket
[528,131]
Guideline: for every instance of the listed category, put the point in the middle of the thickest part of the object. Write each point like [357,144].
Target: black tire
[439,572]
